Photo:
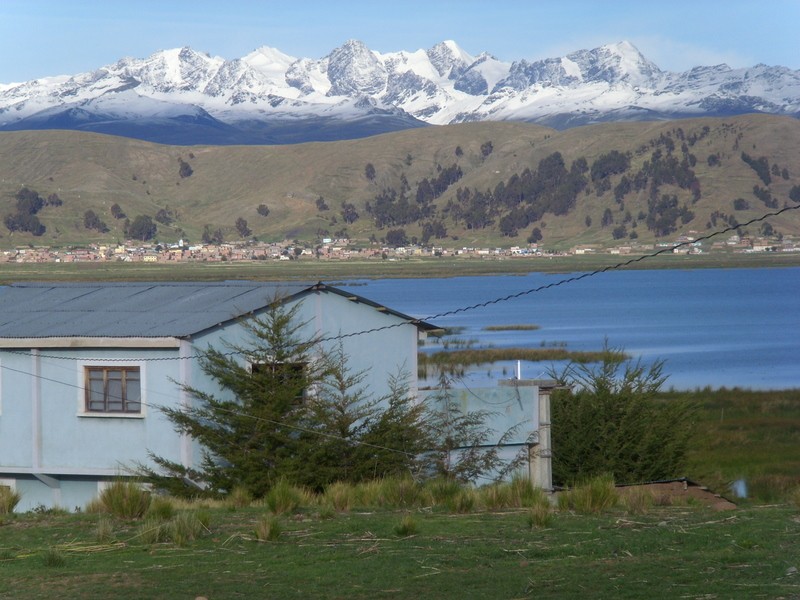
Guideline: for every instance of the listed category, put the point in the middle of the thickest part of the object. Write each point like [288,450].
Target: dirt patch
[681,491]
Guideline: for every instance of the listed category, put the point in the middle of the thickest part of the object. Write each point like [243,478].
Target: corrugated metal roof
[134,309]
[130,309]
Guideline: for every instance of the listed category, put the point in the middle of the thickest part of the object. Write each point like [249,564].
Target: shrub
[8,500]
[125,499]
[268,529]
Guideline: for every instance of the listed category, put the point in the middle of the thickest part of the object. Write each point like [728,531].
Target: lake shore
[331,270]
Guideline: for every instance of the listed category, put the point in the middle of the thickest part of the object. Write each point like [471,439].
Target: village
[344,249]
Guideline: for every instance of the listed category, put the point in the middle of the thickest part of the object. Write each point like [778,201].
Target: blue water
[711,327]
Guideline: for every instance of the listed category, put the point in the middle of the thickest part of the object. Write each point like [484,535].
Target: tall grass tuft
[594,495]
[637,500]
[53,557]
[540,516]
[406,527]
[162,508]
[268,528]
[239,497]
[125,499]
[526,495]
[497,496]
[341,496]
[283,497]
[442,491]
[8,499]
[402,492]
[184,528]
[104,531]
[464,501]
[151,531]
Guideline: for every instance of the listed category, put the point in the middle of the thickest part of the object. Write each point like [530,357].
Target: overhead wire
[364,332]
[485,304]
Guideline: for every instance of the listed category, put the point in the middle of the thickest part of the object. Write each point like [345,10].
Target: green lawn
[671,552]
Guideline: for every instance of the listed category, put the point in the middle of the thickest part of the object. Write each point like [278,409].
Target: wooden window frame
[108,405]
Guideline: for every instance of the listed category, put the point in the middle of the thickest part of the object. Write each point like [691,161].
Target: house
[85,366]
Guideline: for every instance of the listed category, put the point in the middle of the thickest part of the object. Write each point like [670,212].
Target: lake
[711,327]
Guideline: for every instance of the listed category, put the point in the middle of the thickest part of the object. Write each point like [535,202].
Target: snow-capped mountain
[186,97]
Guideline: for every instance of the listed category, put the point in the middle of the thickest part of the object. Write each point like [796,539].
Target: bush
[614,425]
[125,499]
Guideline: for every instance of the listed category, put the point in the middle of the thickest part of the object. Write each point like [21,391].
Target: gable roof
[135,309]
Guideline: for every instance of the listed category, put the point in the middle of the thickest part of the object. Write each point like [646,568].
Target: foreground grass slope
[403,543]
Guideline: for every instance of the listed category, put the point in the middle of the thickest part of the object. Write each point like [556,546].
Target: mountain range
[185,97]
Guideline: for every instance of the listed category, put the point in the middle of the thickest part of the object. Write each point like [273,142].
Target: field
[679,552]
[333,270]
[414,547]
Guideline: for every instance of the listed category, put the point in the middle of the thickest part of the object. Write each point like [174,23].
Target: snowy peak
[248,98]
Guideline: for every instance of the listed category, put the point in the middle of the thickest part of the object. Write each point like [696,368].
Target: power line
[485,304]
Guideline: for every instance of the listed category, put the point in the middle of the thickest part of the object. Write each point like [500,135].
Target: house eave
[90,342]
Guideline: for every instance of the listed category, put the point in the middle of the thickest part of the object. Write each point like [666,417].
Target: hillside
[494,184]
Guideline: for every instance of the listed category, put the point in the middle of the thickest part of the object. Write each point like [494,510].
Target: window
[113,390]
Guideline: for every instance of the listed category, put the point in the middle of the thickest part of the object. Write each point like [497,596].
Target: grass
[685,551]
[511,328]
[452,360]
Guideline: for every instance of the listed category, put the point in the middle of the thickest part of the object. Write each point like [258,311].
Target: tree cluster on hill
[141,228]
[28,204]
[92,221]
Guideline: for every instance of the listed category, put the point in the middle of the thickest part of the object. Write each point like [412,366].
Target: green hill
[482,184]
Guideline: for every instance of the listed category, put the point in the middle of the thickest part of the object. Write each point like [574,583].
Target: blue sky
[54,37]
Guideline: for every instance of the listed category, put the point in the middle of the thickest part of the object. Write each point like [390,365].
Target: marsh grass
[455,360]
